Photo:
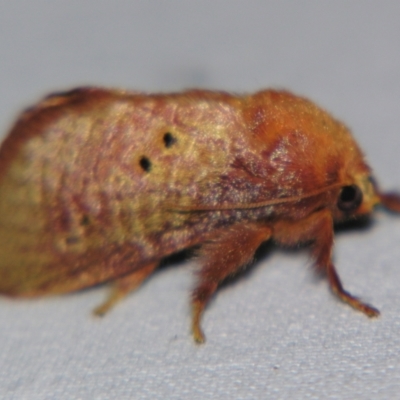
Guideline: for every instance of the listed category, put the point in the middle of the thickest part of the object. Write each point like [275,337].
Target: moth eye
[350,198]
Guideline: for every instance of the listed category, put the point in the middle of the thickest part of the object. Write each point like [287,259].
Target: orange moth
[100,185]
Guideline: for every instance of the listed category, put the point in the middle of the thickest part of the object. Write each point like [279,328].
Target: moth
[101,185]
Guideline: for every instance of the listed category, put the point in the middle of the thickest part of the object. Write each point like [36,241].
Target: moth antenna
[258,204]
[390,201]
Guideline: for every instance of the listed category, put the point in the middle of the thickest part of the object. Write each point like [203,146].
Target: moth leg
[122,286]
[222,256]
[318,227]
[337,288]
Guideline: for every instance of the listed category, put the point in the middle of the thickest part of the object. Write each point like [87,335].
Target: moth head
[356,198]
[357,194]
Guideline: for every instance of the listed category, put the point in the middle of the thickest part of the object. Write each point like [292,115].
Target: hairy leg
[220,257]
[318,228]
[122,286]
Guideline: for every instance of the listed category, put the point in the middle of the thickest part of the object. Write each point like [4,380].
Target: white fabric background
[277,333]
